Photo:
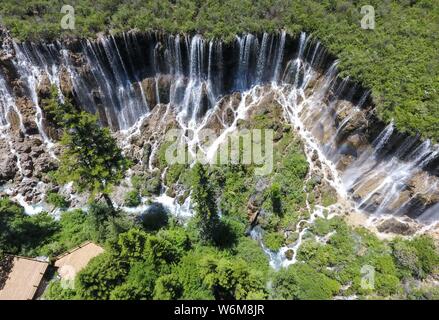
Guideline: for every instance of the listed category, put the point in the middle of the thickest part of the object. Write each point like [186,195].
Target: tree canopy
[90,158]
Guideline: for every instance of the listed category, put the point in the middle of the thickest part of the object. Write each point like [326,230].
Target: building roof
[73,261]
[23,279]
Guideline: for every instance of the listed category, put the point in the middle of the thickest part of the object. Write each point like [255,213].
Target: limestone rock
[8,166]
[393,225]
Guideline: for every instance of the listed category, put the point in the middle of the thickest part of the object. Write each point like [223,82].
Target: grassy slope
[399,60]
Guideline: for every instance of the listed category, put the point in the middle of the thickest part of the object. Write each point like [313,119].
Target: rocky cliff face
[153,82]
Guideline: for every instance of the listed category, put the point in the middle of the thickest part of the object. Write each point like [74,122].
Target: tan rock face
[27,111]
[44,87]
[149,89]
[152,133]
[224,115]
[368,190]
[14,120]
[358,141]
[395,226]
[8,162]
[344,162]
[65,82]
[164,88]
[426,187]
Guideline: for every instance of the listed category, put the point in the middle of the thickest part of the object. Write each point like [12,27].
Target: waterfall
[31,75]
[122,78]
[279,56]
[7,104]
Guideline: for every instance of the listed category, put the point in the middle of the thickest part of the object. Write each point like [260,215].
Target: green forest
[398,60]
[238,220]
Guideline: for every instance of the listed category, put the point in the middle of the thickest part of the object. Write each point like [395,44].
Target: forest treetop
[398,60]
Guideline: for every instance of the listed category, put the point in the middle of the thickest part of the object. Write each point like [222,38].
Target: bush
[406,257]
[250,251]
[103,274]
[23,234]
[139,283]
[301,282]
[132,198]
[57,200]
[273,240]
[168,287]
[55,291]
[231,278]
[427,253]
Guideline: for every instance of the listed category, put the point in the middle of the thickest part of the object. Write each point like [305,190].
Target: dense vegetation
[211,256]
[174,261]
[398,60]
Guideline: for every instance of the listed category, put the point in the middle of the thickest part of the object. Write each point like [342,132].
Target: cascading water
[123,78]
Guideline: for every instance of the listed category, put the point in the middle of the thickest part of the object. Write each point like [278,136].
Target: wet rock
[8,166]
[426,188]
[348,149]
[44,87]
[344,162]
[25,147]
[224,114]
[43,165]
[357,141]
[171,192]
[65,82]
[367,188]
[393,225]
[317,178]
[27,188]
[289,254]
[137,141]
[152,134]
[318,131]
[204,102]
[164,88]
[153,184]
[14,120]
[27,111]
[26,162]
[147,148]
[150,89]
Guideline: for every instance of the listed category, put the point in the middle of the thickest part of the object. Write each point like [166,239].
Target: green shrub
[427,253]
[300,281]
[273,240]
[57,200]
[55,291]
[102,275]
[168,287]
[132,198]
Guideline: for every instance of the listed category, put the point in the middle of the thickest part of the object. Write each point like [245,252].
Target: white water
[112,84]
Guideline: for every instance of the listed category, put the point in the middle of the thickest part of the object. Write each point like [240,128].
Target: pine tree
[90,158]
[204,204]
